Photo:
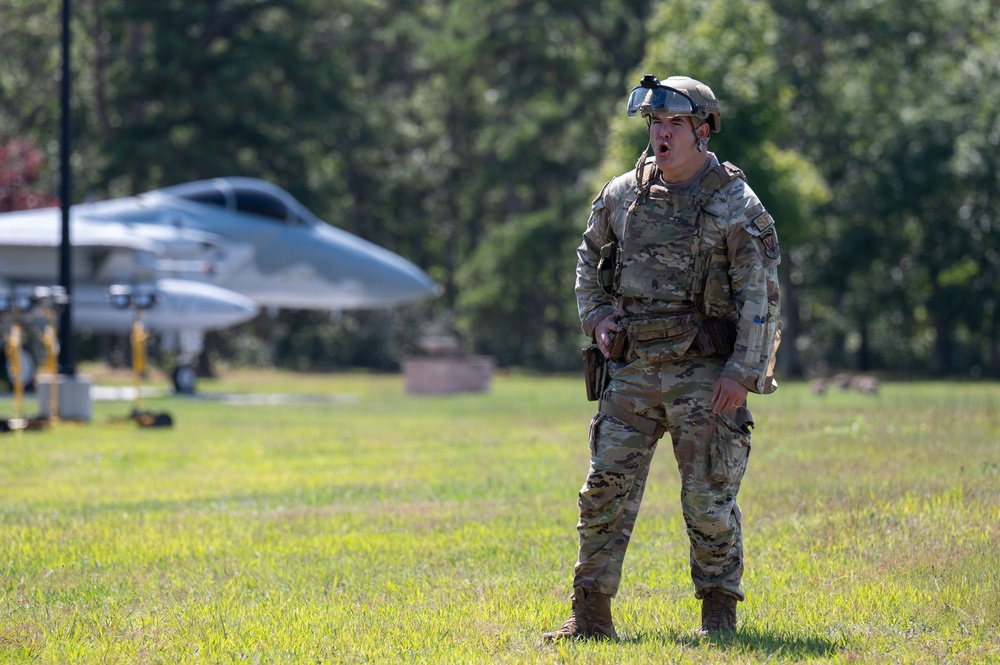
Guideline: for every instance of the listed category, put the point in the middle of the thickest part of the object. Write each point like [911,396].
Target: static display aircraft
[215,250]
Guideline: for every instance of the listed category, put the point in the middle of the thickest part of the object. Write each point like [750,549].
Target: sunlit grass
[361,524]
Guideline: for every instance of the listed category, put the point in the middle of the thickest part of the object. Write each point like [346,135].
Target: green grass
[377,527]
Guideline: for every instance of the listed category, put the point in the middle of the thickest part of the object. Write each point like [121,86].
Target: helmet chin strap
[644,185]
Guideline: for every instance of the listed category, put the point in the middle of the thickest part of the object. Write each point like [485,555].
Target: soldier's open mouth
[662,148]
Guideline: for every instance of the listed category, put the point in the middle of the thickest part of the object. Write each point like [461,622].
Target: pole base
[73,396]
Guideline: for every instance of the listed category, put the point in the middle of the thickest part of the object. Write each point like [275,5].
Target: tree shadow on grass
[745,641]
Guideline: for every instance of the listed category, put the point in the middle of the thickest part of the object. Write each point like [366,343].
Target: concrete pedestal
[73,394]
[443,375]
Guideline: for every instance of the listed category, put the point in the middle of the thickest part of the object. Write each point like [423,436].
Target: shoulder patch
[769,239]
[763,220]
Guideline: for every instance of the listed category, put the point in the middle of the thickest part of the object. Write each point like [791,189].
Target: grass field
[358,524]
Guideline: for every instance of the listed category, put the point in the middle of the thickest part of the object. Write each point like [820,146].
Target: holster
[595,372]
[716,337]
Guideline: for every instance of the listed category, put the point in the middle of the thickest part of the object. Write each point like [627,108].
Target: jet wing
[105,252]
[108,250]
[43,228]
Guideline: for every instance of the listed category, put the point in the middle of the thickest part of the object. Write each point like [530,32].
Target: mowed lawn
[329,519]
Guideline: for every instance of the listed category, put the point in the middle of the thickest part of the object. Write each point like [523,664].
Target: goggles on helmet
[646,101]
[651,96]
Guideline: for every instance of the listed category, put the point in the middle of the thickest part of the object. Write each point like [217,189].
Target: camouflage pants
[711,453]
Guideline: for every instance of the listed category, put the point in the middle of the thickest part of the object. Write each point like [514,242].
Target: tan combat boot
[589,618]
[718,613]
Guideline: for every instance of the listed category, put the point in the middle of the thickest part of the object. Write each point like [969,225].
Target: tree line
[471,138]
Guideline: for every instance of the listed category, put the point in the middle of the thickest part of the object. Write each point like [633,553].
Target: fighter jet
[214,250]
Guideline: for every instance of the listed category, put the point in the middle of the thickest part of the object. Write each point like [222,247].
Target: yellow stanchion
[13,352]
[50,338]
[139,337]
[12,349]
[22,301]
[124,297]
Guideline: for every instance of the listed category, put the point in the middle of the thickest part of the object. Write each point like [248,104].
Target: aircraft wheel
[185,379]
[28,367]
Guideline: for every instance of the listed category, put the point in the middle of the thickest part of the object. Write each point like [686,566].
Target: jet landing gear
[12,349]
[125,297]
[189,345]
[185,379]
[20,363]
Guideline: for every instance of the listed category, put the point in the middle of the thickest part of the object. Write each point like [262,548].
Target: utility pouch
[662,339]
[595,372]
[717,293]
[606,267]
[618,345]
[716,337]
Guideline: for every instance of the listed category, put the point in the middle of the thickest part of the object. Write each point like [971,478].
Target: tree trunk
[864,348]
[788,355]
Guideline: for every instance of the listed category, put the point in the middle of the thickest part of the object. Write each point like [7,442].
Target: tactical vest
[669,253]
[665,253]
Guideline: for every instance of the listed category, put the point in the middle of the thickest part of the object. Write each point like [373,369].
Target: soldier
[677,286]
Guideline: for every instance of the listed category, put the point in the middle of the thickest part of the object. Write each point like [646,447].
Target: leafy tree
[30,34]
[892,110]
[522,92]
[212,88]
[470,138]
[733,46]
[20,163]
[519,287]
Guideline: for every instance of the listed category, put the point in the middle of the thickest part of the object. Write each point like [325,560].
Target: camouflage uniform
[687,252]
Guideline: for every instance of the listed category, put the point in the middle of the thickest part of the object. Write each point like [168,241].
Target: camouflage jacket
[735,230]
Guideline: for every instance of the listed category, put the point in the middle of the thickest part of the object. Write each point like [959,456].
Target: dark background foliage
[471,138]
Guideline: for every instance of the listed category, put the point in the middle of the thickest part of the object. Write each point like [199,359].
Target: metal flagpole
[67,363]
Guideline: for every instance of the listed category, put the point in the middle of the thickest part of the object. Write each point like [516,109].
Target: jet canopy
[246,195]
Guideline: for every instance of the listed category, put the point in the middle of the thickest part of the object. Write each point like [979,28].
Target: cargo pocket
[595,426]
[730,446]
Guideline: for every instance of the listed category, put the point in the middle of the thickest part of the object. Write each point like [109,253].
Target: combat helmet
[677,95]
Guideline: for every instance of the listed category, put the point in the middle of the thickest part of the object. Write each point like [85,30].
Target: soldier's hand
[728,395]
[602,333]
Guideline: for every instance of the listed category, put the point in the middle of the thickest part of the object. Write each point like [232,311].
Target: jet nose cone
[392,279]
[346,272]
